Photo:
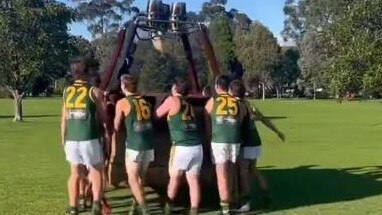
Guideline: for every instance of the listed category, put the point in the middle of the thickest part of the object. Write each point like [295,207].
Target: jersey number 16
[142,109]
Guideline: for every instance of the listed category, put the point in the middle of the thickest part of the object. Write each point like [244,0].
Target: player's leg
[134,171]
[83,186]
[263,184]
[195,196]
[175,172]
[91,153]
[147,158]
[245,187]
[223,186]
[233,174]
[75,160]
[172,190]
[253,153]
[73,188]
[193,179]
[254,172]
[220,158]
[95,176]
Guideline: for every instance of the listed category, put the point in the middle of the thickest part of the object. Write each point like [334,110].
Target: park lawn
[330,163]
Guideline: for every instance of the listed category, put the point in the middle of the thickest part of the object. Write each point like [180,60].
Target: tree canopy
[34,44]
[339,43]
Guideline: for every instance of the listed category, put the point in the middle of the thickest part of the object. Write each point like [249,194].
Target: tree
[354,43]
[259,52]
[239,20]
[33,41]
[339,43]
[153,77]
[222,37]
[212,8]
[103,18]
[289,71]
[313,61]
[306,23]
[310,16]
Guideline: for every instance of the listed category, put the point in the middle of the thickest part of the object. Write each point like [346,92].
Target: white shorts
[225,152]
[187,159]
[142,157]
[250,152]
[88,153]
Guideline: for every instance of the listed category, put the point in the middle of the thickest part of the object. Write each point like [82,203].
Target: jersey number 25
[227,106]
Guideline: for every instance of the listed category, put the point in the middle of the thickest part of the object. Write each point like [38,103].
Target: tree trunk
[263,88]
[314,90]
[18,103]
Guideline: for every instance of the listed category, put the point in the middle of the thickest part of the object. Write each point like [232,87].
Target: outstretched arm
[119,116]
[63,125]
[100,101]
[164,108]
[207,118]
[260,117]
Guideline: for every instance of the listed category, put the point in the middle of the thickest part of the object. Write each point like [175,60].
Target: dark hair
[181,85]
[79,60]
[130,82]
[222,81]
[207,91]
[237,88]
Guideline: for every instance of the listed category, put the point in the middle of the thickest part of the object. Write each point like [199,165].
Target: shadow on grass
[290,188]
[275,117]
[310,185]
[31,116]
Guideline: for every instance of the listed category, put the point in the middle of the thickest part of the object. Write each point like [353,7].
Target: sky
[268,12]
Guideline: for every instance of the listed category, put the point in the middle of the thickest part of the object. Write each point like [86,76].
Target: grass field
[331,162]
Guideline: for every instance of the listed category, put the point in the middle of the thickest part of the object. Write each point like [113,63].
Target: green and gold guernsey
[182,126]
[251,137]
[226,119]
[81,123]
[140,134]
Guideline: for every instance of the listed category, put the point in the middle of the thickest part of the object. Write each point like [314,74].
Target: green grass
[330,163]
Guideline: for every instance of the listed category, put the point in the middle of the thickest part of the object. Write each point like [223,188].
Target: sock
[224,206]
[194,211]
[71,208]
[143,205]
[143,209]
[169,202]
[97,205]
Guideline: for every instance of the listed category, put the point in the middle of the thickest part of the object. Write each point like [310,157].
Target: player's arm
[98,98]
[208,107]
[207,117]
[260,117]
[119,114]
[63,125]
[164,108]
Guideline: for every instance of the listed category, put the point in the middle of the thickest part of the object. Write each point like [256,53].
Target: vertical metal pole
[125,41]
[209,52]
[192,68]
[108,73]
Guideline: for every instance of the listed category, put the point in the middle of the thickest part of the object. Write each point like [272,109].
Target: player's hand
[281,136]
